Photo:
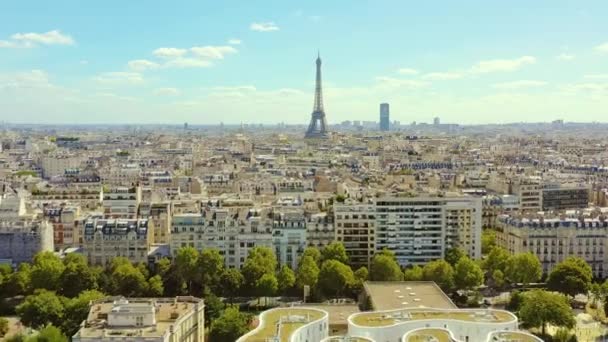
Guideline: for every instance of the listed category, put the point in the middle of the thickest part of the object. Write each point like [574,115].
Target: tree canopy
[334,251]
[541,307]
[385,268]
[335,277]
[231,325]
[524,268]
[467,274]
[441,273]
[570,277]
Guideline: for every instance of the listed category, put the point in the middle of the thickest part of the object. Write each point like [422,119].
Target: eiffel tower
[318,124]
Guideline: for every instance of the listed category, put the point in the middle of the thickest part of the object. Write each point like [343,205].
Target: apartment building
[234,232]
[159,220]
[105,239]
[356,229]
[553,240]
[420,229]
[21,239]
[56,165]
[530,193]
[121,202]
[563,197]
[289,236]
[64,220]
[179,319]
[320,230]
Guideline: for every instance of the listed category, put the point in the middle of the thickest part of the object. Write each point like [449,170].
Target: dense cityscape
[377,228]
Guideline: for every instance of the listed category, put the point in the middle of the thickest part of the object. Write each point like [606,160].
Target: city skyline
[474,63]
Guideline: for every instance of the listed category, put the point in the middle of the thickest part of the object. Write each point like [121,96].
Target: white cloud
[442,76]
[264,27]
[32,39]
[407,71]
[234,41]
[166,92]
[25,80]
[502,65]
[602,47]
[212,52]
[119,77]
[236,88]
[564,57]
[587,87]
[169,52]
[398,83]
[187,63]
[142,65]
[597,76]
[54,37]
[520,84]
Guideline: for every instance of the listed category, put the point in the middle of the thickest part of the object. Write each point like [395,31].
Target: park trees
[42,308]
[453,255]
[210,267]
[385,268]
[523,268]
[570,277]
[467,274]
[231,282]
[413,273]
[286,279]
[231,325]
[441,273]
[186,262]
[334,251]
[540,308]
[335,277]
[46,271]
[308,273]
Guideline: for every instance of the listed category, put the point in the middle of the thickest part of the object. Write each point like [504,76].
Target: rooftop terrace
[429,335]
[278,324]
[387,318]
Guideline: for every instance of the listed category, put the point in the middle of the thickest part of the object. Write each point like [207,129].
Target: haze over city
[209,62]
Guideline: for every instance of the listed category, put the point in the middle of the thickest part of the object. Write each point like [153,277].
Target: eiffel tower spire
[318,124]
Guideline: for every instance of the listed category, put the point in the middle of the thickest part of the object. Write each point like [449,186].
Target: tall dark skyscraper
[385,120]
[318,124]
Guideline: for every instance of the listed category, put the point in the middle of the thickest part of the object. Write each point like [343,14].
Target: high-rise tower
[384,117]
[318,124]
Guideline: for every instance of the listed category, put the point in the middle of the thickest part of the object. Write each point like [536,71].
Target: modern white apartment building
[530,193]
[420,229]
[320,230]
[553,240]
[179,319]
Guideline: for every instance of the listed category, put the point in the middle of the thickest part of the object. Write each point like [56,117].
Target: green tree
[441,273]
[77,309]
[128,281]
[213,308]
[595,294]
[48,334]
[524,268]
[414,273]
[162,267]
[19,283]
[211,267]
[385,268]
[564,335]
[261,261]
[42,308]
[186,264]
[335,277]
[311,252]
[334,251]
[231,282]
[231,325]
[4,326]
[541,307]
[286,279]
[453,255]
[361,275]
[267,286]
[77,276]
[570,277]
[467,274]
[155,286]
[488,241]
[497,259]
[498,278]
[308,273]
[46,271]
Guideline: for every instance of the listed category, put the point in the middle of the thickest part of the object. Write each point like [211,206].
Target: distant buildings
[21,239]
[436,121]
[144,319]
[384,117]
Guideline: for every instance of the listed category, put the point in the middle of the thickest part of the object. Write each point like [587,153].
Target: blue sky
[207,62]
